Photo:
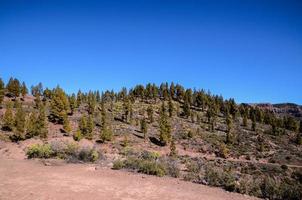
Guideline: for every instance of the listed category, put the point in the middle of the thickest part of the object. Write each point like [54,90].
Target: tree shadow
[156,141]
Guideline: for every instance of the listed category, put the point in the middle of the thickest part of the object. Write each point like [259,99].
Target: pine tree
[79,98]
[8,118]
[37,90]
[127,110]
[211,114]
[106,133]
[31,126]
[91,103]
[98,96]
[173,151]
[72,103]
[180,92]
[20,120]
[38,101]
[77,136]
[103,114]
[90,127]
[254,122]
[229,135]
[300,127]
[59,106]
[244,120]
[193,117]
[171,107]
[83,124]
[172,90]
[66,124]
[41,124]
[150,113]
[2,89]
[13,87]
[274,127]
[186,106]
[144,128]
[24,89]
[164,126]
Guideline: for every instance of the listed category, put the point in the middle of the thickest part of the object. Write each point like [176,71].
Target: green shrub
[216,176]
[147,155]
[39,151]
[128,151]
[171,166]
[63,150]
[146,162]
[291,191]
[77,136]
[151,168]
[118,164]
[222,151]
[94,155]
[250,186]
[229,182]
[106,135]
[88,155]
[269,188]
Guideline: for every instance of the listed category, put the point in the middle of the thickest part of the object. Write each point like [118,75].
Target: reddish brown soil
[29,179]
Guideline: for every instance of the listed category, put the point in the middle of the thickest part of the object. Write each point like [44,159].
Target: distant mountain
[283,109]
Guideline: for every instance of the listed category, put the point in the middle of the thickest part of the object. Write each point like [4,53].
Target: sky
[250,50]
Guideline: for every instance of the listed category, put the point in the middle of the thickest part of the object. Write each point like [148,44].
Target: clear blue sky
[247,49]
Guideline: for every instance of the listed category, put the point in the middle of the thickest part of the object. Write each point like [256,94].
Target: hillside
[164,130]
[284,109]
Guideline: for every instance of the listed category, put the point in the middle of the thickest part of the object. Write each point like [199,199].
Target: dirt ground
[33,179]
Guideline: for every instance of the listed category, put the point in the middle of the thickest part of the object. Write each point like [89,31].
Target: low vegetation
[68,151]
[148,163]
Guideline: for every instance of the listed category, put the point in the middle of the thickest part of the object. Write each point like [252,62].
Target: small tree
[20,119]
[66,124]
[90,127]
[91,103]
[24,89]
[2,87]
[41,123]
[127,110]
[144,128]
[13,87]
[171,107]
[254,123]
[173,151]
[244,120]
[72,103]
[186,106]
[150,113]
[8,118]
[77,136]
[164,127]
[229,135]
[106,133]
[31,127]
[59,106]
[83,125]
[211,115]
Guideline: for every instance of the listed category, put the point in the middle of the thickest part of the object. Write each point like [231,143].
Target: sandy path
[26,179]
